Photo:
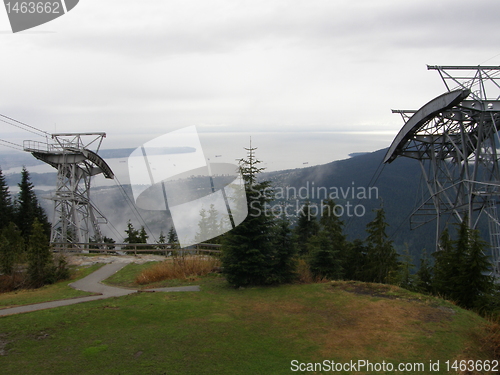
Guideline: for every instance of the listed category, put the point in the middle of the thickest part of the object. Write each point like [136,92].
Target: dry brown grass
[493,337]
[181,268]
[305,275]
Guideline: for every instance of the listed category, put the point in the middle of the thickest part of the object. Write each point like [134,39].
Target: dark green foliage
[109,241]
[134,235]
[11,248]
[328,245]
[445,267]
[404,276]
[475,277]
[248,256]
[27,208]
[208,226]
[247,249]
[324,260]
[307,227]
[424,275]
[39,255]
[461,270]
[382,259]
[57,270]
[102,239]
[6,207]
[284,262]
[172,236]
[143,236]
[161,238]
[354,260]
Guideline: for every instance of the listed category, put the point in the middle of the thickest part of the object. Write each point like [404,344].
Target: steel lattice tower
[75,217]
[455,137]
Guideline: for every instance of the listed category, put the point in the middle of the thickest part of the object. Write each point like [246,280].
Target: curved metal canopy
[424,114]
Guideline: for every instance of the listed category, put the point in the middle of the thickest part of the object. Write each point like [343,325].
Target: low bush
[182,268]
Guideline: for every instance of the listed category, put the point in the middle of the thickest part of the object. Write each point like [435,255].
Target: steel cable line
[45,134]
[17,126]
[132,205]
[15,146]
[372,182]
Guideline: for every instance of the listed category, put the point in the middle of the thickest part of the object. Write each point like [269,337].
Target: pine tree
[247,249]
[28,209]
[208,226]
[172,236]
[382,260]
[476,282]
[424,275]
[133,235]
[354,261]
[39,255]
[161,239]
[324,260]
[284,265]
[328,246]
[11,248]
[143,236]
[6,207]
[404,276]
[445,266]
[307,227]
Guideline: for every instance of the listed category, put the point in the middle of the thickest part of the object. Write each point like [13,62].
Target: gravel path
[92,283]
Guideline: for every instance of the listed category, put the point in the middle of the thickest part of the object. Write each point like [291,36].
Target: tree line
[25,255]
[265,250]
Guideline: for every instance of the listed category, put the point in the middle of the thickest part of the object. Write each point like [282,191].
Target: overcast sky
[311,81]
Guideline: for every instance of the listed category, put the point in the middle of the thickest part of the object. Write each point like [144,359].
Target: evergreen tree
[404,277]
[109,241]
[307,227]
[208,226]
[28,209]
[458,276]
[172,236]
[461,270]
[445,267]
[328,246]
[39,255]
[6,207]
[424,275]
[247,249]
[161,239]
[382,259]
[143,236]
[133,235]
[324,260]
[284,263]
[354,261]
[11,248]
[476,282]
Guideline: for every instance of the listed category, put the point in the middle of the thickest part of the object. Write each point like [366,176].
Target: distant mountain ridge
[396,189]
[397,186]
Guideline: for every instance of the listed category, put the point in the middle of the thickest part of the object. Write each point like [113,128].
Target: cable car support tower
[75,217]
[455,137]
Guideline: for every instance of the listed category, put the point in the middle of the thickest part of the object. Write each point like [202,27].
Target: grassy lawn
[60,290]
[222,330]
[126,278]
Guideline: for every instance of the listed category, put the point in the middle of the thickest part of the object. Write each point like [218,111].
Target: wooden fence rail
[135,248]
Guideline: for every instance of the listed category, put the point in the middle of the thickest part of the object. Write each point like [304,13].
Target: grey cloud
[313,25]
